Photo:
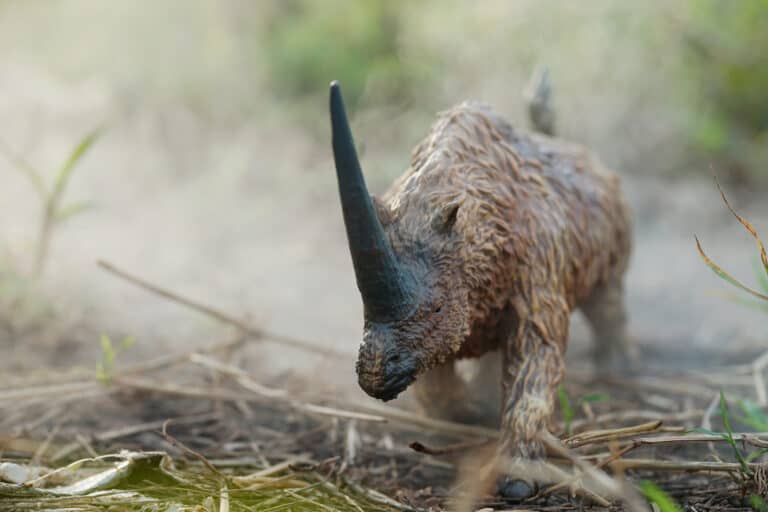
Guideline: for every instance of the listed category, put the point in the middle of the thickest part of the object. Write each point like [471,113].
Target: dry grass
[237,443]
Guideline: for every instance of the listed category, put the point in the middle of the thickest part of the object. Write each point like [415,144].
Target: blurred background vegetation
[728,83]
[214,154]
[686,73]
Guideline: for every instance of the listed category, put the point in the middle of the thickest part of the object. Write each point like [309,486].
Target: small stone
[13,473]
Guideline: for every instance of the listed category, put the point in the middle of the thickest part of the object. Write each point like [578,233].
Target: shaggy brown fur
[507,234]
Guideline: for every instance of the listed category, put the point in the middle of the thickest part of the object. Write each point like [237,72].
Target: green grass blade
[754,416]
[127,343]
[654,494]
[762,276]
[729,436]
[757,503]
[71,210]
[725,275]
[747,302]
[566,409]
[595,398]
[69,165]
[701,430]
[756,455]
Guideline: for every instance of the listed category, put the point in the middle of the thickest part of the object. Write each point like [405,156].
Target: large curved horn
[382,283]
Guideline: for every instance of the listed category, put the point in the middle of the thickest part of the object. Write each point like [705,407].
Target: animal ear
[446,216]
[382,211]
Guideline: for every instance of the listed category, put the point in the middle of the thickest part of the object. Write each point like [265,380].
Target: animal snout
[385,372]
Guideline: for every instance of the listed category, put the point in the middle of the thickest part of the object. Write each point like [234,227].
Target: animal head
[416,313]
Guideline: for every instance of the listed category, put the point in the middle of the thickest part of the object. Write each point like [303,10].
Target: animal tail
[538,94]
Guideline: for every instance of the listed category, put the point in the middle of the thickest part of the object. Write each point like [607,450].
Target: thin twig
[232,396]
[168,437]
[599,436]
[378,497]
[640,415]
[78,382]
[268,471]
[757,439]
[606,483]
[130,430]
[691,466]
[167,360]
[44,446]
[40,391]
[220,315]
[418,420]
[419,447]
[600,465]
[281,395]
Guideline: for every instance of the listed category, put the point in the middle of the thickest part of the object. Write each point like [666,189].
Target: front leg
[533,368]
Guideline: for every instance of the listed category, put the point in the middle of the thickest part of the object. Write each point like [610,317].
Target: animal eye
[446,217]
[394,358]
[438,308]
[450,216]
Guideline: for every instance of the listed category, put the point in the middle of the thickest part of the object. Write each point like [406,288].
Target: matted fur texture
[507,233]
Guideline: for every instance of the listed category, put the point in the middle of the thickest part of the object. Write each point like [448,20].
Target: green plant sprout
[757,503]
[654,494]
[109,353]
[568,411]
[51,197]
[754,415]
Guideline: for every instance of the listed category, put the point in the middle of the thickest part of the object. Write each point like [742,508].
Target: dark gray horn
[385,288]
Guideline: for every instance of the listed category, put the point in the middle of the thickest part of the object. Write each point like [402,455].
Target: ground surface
[278,439]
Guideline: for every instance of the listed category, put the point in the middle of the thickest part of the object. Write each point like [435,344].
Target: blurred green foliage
[311,42]
[109,353]
[655,494]
[655,86]
[728,65]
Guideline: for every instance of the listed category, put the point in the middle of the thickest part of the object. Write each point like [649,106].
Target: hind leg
[606,315]
[485,386]
[444,394]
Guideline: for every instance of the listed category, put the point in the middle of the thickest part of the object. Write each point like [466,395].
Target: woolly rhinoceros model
[487,243]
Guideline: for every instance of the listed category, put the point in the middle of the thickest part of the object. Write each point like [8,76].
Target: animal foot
[521,477]
[515,490]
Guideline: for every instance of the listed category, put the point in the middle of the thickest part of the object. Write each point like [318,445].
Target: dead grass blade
[725,275]
[747,226]
[600,436]
[168,437]
[752,231]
